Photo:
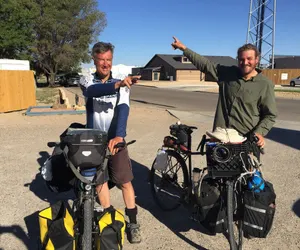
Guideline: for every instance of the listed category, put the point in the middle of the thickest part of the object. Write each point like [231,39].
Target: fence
[17,90]
[281,76]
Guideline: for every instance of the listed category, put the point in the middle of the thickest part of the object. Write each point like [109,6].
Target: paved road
[288,110]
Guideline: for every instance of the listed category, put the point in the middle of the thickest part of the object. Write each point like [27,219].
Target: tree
[16,28]
[64,30]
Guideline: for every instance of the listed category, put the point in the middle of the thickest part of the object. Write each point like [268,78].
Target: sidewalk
[176,84]
[291,92]
[193,84]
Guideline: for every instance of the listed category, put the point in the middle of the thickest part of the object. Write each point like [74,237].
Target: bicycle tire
[164,204]
[230,209]
[87,225]
[239,202]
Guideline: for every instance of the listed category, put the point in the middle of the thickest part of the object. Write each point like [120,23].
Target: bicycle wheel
[87,225]
[239,214]
[233,201]
[168,187]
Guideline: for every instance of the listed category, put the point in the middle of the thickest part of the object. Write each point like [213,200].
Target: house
[286,62]
[178,68]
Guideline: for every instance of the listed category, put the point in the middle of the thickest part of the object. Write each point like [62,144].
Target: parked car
[70,80]
[59,79]
[295,81]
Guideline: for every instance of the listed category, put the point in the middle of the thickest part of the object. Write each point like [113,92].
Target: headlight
[221,154]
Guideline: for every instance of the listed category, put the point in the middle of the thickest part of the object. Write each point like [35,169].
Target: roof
[281,56]
[152,68]
[170,59]
[287,62]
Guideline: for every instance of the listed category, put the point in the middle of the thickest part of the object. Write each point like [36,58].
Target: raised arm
[90,90]
[201,62]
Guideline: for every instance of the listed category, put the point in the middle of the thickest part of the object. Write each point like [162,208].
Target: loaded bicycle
[87,155]
[215,192]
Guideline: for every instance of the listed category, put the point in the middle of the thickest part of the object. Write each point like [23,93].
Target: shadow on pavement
[177,221]
[32,224]
[19,233]
[151,103]
[296,208]
[287,137]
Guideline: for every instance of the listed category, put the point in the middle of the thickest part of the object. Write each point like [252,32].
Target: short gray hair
[102,47]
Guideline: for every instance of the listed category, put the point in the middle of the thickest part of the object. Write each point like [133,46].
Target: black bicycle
[173,182]
[86,153]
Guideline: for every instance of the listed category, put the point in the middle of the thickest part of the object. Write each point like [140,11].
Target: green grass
[46,95]
[296,90]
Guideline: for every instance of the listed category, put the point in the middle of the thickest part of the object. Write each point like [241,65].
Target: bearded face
[247,61]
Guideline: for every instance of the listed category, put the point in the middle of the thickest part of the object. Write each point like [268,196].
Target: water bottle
[196,178]
[161,161]
[256,182]
[46,170]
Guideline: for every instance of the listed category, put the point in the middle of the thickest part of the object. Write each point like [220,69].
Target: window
[185,60]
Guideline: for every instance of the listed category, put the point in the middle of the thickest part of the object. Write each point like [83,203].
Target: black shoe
[133,233]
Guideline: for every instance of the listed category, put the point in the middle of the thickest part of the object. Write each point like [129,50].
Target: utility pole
[261,29]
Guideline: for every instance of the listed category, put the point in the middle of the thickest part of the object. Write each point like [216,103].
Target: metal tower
[261,29]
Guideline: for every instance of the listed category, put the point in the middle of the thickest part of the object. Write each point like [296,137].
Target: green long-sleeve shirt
[250,103]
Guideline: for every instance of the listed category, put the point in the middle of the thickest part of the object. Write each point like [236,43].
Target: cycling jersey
[107,109]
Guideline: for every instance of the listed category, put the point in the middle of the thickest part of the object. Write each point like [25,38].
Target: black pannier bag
[56,172]
[211,212]
[259,211]
[86,147]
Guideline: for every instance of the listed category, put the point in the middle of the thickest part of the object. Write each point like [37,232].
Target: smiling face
[248,61]
[103,63]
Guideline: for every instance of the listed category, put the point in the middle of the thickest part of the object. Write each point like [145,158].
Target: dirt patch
[288,95]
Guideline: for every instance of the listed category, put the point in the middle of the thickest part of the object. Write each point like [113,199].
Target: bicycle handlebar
[261,149]
[123,144]
[52,144]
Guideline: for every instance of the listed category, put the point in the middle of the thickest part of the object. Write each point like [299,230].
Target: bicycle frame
[189,155]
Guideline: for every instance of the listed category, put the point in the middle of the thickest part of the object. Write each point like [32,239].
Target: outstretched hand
[127,82]
[177,44]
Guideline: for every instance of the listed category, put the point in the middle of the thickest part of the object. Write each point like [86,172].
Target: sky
[139,29]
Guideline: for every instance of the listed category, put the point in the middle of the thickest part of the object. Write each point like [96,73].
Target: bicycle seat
[182,126]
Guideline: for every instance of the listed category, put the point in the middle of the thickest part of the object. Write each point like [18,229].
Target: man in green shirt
[246,97]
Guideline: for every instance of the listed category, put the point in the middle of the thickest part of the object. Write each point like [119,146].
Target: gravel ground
[24,148]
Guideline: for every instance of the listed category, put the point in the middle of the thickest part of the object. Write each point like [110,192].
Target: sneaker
[133,233]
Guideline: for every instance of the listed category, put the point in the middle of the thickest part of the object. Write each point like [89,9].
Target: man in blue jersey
[107,109]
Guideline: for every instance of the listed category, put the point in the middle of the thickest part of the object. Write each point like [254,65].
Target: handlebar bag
[86,147]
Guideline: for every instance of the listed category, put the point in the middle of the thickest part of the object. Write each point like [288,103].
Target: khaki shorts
[119,169]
